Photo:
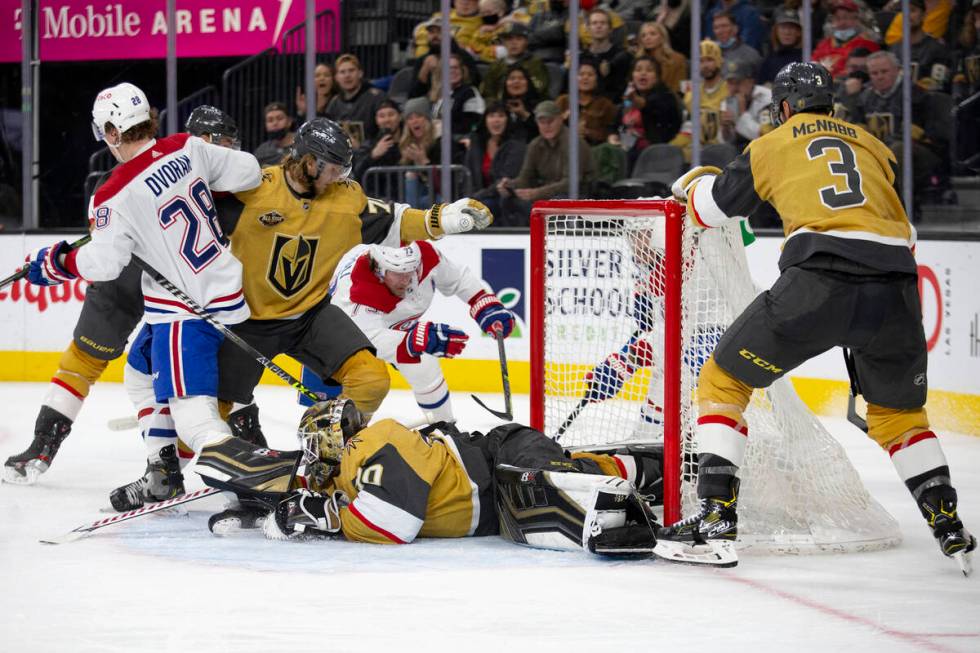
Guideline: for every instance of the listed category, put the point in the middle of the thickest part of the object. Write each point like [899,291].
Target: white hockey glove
[305,512]
[682,186]
[460,216]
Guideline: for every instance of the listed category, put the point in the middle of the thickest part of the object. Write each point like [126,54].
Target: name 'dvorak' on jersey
[168,174]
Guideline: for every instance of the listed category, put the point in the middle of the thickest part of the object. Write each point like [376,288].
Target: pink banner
[77,30]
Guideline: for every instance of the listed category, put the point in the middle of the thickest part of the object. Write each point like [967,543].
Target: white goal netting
[799,492]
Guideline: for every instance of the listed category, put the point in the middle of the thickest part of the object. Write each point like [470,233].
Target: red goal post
[618,209]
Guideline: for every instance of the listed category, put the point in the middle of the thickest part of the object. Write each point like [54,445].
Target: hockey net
[590,262]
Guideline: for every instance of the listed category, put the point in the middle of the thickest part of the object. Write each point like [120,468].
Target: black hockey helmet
[807,87]
[327,142]
[206,119]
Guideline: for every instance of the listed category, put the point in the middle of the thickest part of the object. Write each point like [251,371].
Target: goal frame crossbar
[675,214]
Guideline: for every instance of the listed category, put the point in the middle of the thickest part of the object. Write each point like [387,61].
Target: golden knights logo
[881,125]
[710,125]
[291,265]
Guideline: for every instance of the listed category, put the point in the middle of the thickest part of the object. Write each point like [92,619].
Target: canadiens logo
[271,218]
[291,267]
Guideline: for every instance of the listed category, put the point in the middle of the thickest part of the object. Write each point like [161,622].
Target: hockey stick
[852,414]
[508,413]
[228,333]
[82,531]
[22,272]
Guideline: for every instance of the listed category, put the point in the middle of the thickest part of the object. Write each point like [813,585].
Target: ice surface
[166,584]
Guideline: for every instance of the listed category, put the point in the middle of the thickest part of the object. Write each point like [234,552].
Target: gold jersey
[402,485]
[290,245]
[832,184]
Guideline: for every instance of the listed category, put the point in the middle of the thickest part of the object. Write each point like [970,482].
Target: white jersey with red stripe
[158,206]
[386,318]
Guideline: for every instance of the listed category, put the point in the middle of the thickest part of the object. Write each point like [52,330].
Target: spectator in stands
[744,16]
[713,91]
[467,103]
[967,79]
[549,29]
[786,43]
[357,103]
[427,65]
[847,95]
[420,146]
[931,60]
[612,60]
[520,98]
[935,21]
[515,42]
[493,153]
[880,110]
[597,113]
[654,42]
[484,46]
[279,135]
[732,47]
[382,150]
[544,174]
[745,112]
[675,15]
[464,20]
[651,112]
[325,91]
[832,52]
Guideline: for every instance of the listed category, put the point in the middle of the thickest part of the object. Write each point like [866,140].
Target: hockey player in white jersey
[157,206]
[386,291]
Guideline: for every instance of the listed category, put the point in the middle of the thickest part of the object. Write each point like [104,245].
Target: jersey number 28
[846,167]
[196,255]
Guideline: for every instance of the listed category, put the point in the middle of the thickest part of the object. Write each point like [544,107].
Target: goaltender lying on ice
[387,484]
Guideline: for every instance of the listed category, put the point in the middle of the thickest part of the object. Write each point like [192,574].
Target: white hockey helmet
[122,106]
[397,259]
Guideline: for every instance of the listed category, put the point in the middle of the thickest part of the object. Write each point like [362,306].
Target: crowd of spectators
[510,100]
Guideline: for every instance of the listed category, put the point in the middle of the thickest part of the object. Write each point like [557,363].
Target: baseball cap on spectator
[782,15]
[846,5]
[419,105]
[546,109]
[739,69]
[515,29]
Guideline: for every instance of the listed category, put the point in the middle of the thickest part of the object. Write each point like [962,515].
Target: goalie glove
[607,378]
[306,513]
[681,188]
[436,339]
[490,314]
[46,267]
[460,216]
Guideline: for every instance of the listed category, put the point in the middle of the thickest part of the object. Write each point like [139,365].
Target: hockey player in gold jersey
[389,484]
[848,279]
[289,233]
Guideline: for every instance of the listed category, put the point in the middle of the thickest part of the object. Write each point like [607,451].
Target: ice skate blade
[29,477]
[715,553]
[232,526]
[964,560]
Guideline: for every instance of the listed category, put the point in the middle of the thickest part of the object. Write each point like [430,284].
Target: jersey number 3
[196,255]
[846,167]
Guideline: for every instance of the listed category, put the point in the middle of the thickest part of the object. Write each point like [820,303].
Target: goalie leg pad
[264,475]
[571,511]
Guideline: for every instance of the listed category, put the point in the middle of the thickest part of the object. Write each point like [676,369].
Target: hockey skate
[236,520]
[161,481]
[938,506]
[244,424]
[50,431]
[706,537]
